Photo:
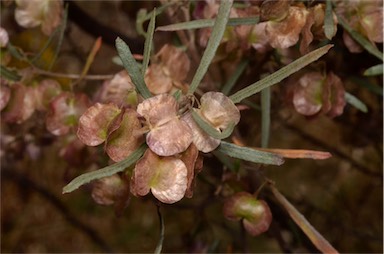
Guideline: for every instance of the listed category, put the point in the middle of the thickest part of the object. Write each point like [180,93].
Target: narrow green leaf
[132,68]
[252,20]
[210,130]
[361,39]
[16,52]
[148,43]
[374,70]
[63,26]
[329,26]
[251,104]
[364,82]
[235,76]
[158,10]
[140,18]
[159,246]
[8,74]
[203,23]
[143,16]
[279,75]
[177,94]
[46,45]
[249,154]
[265,115]
[354,101]
[317,239]
[106,171]
[213,43]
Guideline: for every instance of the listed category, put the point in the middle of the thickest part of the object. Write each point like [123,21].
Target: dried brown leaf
[298,153]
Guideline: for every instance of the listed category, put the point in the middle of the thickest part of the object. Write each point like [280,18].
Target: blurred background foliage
[342,196]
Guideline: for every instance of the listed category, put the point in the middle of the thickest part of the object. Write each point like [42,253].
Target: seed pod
[255,214]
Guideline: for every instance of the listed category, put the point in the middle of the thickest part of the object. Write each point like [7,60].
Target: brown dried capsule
[255,214]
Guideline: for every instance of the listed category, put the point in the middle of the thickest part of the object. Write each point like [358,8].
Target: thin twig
[72,76]
[159,246]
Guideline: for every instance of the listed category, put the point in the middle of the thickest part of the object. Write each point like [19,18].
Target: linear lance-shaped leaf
[213,43]
[203,23]
[329,27]
[159,246]
[148,42]
[279,75]
[106,171]
[9,74]
[132,68]
[249,154]
[265,116]
[367,45]
[375,70]
[297,153]
[235,76]
[354,101]
[317,239]
[211,131]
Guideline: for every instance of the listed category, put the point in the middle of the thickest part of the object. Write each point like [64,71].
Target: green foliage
[210,130]
[235,76]
[351,99]
[213,44]
[132,68]
[148,43]
[106,171]
[249,154]
[203,23]
[265,115]
[329,26]
[374,70]
[9,74]
[279,75]
[367,45]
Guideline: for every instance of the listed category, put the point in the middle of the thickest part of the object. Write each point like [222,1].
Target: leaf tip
[329,46]
[65,190]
